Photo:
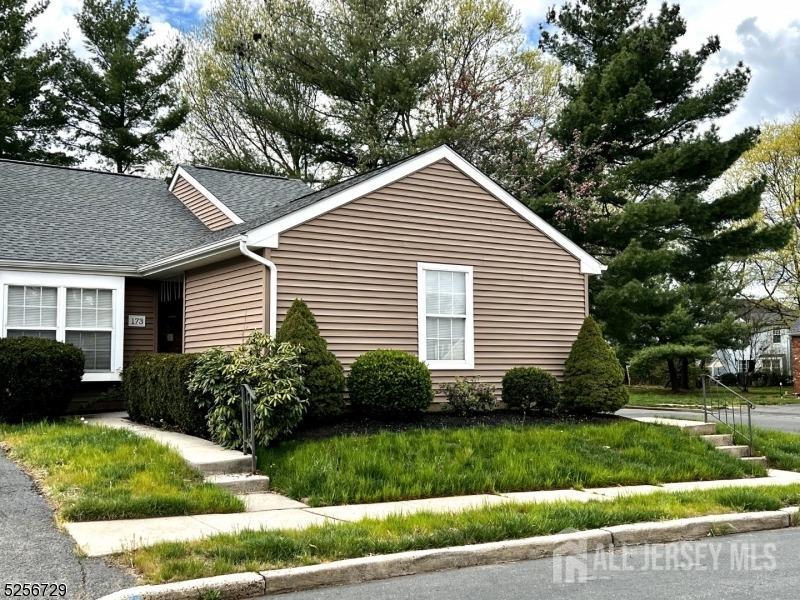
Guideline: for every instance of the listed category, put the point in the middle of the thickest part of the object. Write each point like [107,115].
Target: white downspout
[273,285]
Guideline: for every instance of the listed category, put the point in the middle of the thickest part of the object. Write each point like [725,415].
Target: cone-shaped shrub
[322,372]
[593,377]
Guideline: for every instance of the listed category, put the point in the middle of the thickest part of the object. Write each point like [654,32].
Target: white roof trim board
[181,172]
[265,236]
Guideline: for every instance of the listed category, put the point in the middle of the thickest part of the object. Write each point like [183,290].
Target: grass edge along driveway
[264,550]
[426,463]
[93,473]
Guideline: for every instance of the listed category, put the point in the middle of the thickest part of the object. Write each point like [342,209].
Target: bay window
[83,310]
[445,319]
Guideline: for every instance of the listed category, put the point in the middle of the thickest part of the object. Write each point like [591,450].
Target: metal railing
[248,429]
[728,407]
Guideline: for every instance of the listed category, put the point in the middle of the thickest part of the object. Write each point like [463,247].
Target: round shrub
[530,389]
[38,377]
[390,383]
[593,377]
[322,371]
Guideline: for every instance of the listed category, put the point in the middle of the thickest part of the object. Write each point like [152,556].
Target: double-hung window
[83,310]
[445,319]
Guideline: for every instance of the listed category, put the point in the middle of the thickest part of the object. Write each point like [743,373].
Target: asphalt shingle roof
[56,214]
[246,194]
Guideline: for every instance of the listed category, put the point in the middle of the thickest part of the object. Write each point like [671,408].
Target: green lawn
[263,550]
[94,473]
[423,463]
[781,448]
[657,396]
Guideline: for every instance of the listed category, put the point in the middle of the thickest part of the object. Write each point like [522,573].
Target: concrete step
[758,460]
[737,451]
[700,429]
[719,439]
[240,483]
[237,464]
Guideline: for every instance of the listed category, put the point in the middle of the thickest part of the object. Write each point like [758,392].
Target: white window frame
[62,281]
[469,326]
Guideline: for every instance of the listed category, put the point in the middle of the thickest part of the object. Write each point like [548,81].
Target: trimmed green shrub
[38,377]
[593,377]
[469,395]
[530,389]
[322,371]
[274,373]
[390,383]
[155,388]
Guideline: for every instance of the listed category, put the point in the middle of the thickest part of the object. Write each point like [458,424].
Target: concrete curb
[371,568]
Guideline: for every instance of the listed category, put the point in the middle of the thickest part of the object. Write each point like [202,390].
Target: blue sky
[765,35]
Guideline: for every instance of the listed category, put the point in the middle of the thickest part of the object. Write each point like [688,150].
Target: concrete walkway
[109,537]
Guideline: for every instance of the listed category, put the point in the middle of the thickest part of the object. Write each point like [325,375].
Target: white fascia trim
[74,280]
[259,236]
[32,265]
[181,172]
[469,326]
[189,256]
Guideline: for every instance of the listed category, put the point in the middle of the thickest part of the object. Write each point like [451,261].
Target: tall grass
[95,473]
[647,395]
[426,463]
[262,550]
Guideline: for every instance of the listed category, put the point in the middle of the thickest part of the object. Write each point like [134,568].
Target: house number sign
[136,321]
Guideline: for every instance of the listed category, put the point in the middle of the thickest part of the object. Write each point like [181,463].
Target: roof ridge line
[34,163]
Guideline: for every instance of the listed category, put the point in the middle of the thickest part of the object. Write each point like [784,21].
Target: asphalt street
[782,418]
[33,550]
[752,566]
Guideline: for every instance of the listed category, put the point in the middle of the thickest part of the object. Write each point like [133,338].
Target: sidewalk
[108,537]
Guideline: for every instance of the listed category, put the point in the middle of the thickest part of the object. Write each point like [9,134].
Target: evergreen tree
[593,377]
[322,372]
[30,114]
[121,101]
[639,152]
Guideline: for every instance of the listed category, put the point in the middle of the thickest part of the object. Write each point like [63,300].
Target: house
[427,255]
[768,347]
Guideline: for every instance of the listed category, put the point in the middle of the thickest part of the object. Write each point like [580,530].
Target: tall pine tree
[122,102]
[639,151]
[30,114]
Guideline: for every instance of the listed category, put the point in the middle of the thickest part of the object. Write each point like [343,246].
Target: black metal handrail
[728,407]
[248,425]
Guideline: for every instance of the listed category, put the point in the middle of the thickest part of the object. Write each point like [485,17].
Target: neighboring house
[427,255]
[769,347]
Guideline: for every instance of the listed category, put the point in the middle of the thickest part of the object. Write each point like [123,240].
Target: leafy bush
[155,391]
[274,373]
[38,377]
[729,379]
[468,395]
[593,377]
[322,372]
[530,389]
[390,383]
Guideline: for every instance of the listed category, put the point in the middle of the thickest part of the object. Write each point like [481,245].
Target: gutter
[182,258]
[273,284]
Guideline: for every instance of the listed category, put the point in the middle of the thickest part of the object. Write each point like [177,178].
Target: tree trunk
[685,373]
[673,375]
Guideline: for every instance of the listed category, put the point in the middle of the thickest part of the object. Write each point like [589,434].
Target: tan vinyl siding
[202,208]
[224,302]
[356,267]
[141,298]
